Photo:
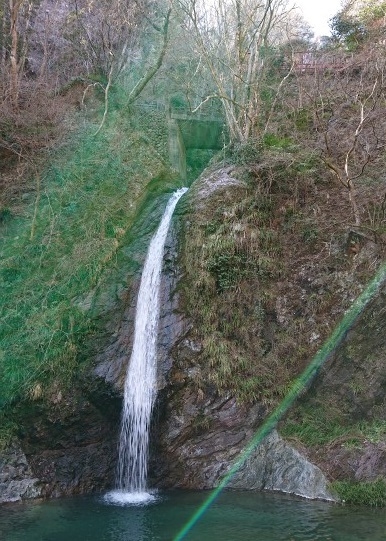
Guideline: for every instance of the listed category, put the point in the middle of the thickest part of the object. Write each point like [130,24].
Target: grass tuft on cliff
[371,493]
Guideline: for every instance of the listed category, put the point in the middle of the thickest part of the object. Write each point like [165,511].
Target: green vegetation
[60,252]
[372,493]
[230,254]
[327,424]
[7,431]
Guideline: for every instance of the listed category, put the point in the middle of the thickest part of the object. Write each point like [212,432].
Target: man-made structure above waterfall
[192,130]
[203,129]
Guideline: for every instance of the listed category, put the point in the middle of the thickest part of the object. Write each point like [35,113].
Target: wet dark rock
[17,482]
[113,359]
[173,324]
[72,448]
[198,436]
[204,435]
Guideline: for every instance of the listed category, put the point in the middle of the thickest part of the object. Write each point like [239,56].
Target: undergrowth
[233,259]
[7,431]
[229,250]
[61,245]
[263,268]
[330,425]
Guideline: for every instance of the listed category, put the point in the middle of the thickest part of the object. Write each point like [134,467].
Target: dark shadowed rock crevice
[69,448]
[72,447]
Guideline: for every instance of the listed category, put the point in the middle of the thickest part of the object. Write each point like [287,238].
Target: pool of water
[234,516]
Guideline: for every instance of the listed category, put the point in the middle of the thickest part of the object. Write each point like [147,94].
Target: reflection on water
[235,516]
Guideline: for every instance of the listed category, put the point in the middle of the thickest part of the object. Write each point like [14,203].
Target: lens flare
[299,385]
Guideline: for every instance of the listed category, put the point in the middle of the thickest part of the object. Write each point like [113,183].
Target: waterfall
[140,384]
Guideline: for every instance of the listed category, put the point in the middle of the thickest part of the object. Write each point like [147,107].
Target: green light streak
[298,387]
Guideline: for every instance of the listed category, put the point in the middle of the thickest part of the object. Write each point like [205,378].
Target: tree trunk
[136,91]
[353,202]
[14,9]
[3,38]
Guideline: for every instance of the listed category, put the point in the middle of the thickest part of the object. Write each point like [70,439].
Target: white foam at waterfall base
[119,497]
[140,384]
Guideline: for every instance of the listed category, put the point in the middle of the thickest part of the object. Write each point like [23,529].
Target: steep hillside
[72,246]
[270,264]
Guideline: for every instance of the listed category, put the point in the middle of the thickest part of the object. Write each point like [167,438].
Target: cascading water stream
[140,384]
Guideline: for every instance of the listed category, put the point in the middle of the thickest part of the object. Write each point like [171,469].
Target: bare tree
[109,37]
[15,52]
[352,128]
[341,104]
[234,39]
[155,65]
[103,34]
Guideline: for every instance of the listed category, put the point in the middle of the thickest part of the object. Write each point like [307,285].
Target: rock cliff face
[198,433]
[68,449]
[275,465]
[203,438]
[198,438]
[16,479]
[353,386]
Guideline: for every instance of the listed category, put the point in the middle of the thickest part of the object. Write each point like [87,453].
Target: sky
[318,12]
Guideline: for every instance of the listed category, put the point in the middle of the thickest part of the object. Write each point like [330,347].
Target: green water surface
[234,516]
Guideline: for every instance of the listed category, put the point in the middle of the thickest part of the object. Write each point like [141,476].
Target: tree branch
[106,100]
[136,91]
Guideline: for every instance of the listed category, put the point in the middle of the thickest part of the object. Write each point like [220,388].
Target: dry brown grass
[269,270]
[41,123]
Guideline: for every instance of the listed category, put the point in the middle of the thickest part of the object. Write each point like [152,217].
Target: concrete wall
[186,133]
[177,152]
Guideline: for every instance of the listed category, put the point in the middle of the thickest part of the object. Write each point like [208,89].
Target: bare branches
[16,59]
[106,101]
[103,32]
[111,33]
[275,100]
[234,39]
[348,110]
